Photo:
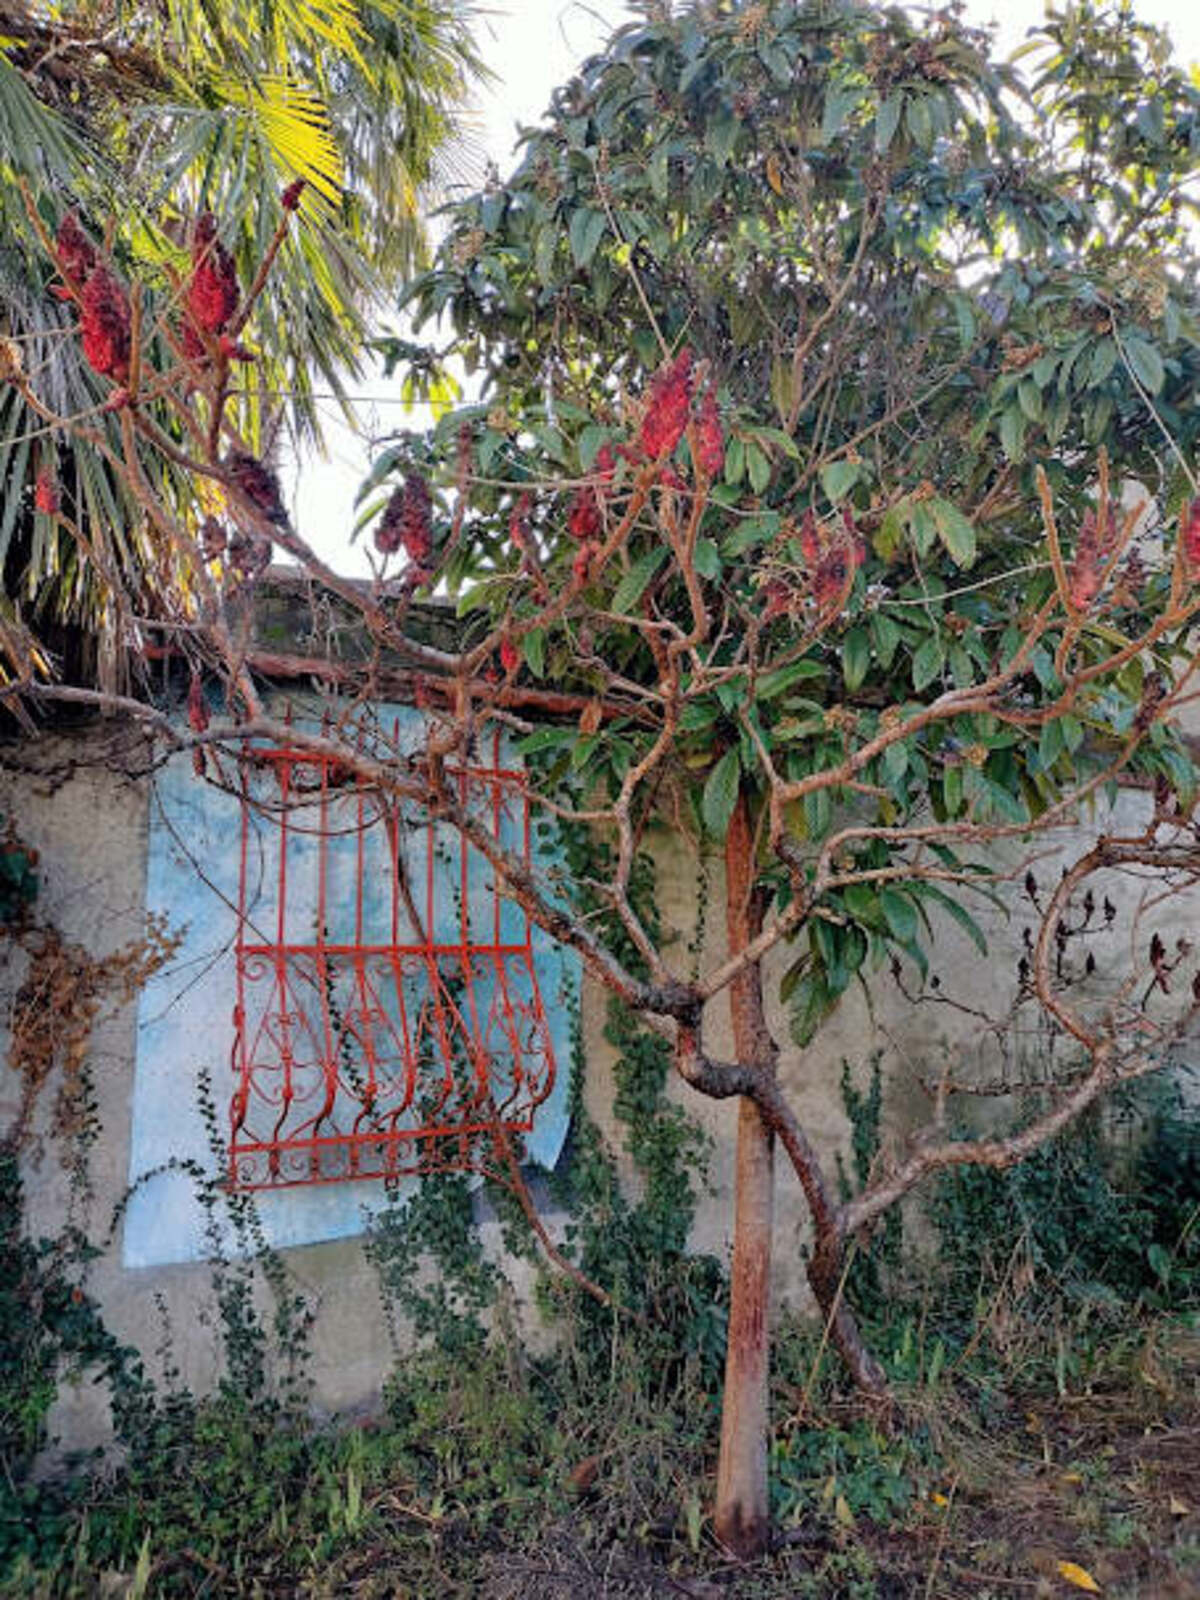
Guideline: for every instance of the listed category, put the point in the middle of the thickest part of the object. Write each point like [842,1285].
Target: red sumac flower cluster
[832,554]
[1097,538]
[74,252]
[212,293]
[1191,536]
[406,523]
[583,515]
[668,404]
[105,325]
[710,440]
[45,492]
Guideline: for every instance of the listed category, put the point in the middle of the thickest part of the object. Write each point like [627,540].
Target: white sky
[532,46]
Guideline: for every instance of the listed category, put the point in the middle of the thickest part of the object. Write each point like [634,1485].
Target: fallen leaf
[939,1499]
[581,1477]
[1080,1577]
[1178,1507]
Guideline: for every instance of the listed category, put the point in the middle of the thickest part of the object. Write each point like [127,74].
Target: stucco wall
[91,825]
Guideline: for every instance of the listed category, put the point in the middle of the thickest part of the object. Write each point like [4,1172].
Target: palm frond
[36,142]
[293,122]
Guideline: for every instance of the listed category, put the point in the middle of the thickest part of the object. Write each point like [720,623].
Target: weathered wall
[91,826]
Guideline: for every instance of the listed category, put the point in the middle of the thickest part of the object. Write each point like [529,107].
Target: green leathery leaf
[758,468]
[773,683]
[955,530]
[1012,433]
[633,585]
[591,441]
[839,103]
[923,527]
[1146,362]
[534,649]
[1104,359]
[920,121]
[1029,398]
[887,637]
[887,120]
[889,534]
[839,477]
[930,891]
[547,739]
[585,231]
[720,794]
[754,530]
[856,657]
[899,913]
[818,813]
[927,663]
[862,902]
[722,136]
[1050,744]
[543,254]
[707,559]
[952,790]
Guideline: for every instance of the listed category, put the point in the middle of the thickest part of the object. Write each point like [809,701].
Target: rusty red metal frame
[388,1018]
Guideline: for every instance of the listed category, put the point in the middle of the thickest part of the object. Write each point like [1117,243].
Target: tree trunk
[741,1516]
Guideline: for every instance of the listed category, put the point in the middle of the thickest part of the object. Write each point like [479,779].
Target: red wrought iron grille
[388,1017]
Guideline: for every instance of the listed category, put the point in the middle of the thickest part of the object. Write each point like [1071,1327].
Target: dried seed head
[74,251]
[213,539]
[197,705]
[780,598]
[582,564]
[212,292]
[258,484]
[1094,546]
[11,366]
[45,492]
[810,538]
[583,515]
[667,404]
[105,325]
[406,523]
[387,529]
[1191,536]
[518,523]
[249,555]
[710,440]
[194,347]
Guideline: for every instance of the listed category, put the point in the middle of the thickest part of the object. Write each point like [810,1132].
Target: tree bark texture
[826,1267]
[742,1516]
